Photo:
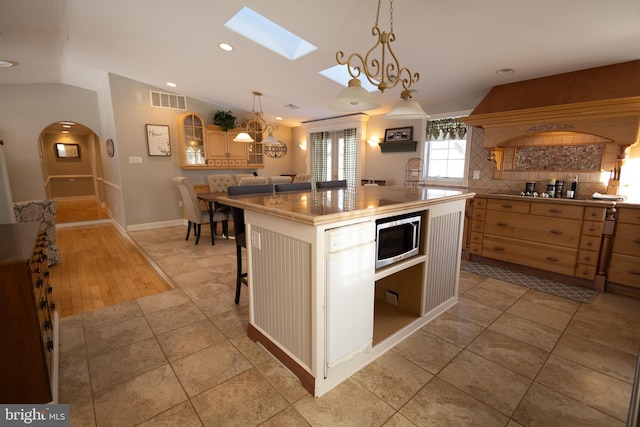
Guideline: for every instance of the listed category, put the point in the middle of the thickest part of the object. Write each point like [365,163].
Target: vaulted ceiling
[455,45]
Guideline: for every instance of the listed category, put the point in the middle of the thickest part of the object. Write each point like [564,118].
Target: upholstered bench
[43,211]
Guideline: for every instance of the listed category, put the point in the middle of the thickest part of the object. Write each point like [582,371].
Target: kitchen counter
[331,205]
[313,283]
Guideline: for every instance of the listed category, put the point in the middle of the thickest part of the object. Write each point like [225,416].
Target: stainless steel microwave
[397,238]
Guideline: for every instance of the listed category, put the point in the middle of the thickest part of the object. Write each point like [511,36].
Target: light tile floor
[503,356]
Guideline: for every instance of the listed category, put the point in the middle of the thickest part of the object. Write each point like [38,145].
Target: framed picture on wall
[398,134]
[67,150]
[158,140]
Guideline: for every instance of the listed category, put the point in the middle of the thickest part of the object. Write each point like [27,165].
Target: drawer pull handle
[587,258]
[501,224]
[634,272]
[552,258]
[593,214]
[589,243]
[498,248]
[506,206]
[592,228]
[585,272]
[555,231]
[555,210]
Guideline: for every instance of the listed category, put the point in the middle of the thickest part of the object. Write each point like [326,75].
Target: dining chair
[294,186]
[237,177]
[302,178]
[332,184]
[239,228]
[195,215]
[252,180]
[280,179]
[219,184]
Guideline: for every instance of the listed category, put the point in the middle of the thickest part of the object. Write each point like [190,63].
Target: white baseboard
[152,225]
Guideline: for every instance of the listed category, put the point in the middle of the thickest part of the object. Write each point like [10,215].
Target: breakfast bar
[317,300]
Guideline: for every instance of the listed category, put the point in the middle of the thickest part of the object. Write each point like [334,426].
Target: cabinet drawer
[627,239]
[557,210]
[587,257]
[479,214]
[559,231]
[518,206]
[625,269]
[480,202]
[590,243]
[477,226]
[592,228]
[629,216]
[476,237]
[536,255]
[594,214]
[586,271]
[476,249]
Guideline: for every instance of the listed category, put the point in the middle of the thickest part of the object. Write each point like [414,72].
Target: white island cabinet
[317,302]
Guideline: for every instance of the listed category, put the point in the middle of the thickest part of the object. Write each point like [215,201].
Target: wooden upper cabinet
[191,137]
[223,151]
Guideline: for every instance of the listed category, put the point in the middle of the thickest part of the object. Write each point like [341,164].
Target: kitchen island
[317,301]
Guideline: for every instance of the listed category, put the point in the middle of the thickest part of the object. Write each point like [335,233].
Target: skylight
[340,74]
[260,30]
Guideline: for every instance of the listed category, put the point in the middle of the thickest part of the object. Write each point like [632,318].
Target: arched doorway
[72,170]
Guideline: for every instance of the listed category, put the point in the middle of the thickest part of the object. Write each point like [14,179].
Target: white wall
[391,166]
[26,109]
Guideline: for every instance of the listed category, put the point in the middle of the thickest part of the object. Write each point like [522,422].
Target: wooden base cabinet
[625,258]
[561,237]
[29,334]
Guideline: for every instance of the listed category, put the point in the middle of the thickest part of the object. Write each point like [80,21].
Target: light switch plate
[133,159]
[476,174]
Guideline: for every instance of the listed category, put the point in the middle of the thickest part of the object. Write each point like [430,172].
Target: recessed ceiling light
[505,71]
[67,123]
[225,46]
[65,131]
[6,64]
[66,126]
[170,84]
[278,118]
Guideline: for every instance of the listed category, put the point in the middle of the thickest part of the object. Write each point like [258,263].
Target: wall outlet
[133,159]
[391,297]
[180,204]
[476,174]
[255,239]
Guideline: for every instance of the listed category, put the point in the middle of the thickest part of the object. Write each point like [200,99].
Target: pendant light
[406,109]
[379,72]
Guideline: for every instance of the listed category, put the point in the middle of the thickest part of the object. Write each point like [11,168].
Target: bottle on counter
[559,188]
[551,187]
[572,191]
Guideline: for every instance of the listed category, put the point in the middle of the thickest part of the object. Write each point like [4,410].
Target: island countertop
[318,207]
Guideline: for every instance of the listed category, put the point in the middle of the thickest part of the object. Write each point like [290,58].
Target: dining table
[211,200]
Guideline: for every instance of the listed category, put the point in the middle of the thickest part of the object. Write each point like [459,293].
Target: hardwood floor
[98,266]
[75,210]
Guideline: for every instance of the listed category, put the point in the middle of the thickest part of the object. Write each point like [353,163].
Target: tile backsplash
[511,176]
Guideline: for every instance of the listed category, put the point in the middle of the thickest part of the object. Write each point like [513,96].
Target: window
[446,150]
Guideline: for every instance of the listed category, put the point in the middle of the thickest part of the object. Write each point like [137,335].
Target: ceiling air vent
[168,100]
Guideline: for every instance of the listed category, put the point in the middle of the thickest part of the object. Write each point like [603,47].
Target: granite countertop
[628,202]
[326,206]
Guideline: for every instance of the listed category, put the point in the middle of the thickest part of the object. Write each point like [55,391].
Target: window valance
[451,128]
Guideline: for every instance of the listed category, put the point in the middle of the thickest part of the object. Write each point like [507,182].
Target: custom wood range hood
[603,101]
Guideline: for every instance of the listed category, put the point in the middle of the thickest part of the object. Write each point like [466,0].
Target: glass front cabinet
[205,146]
